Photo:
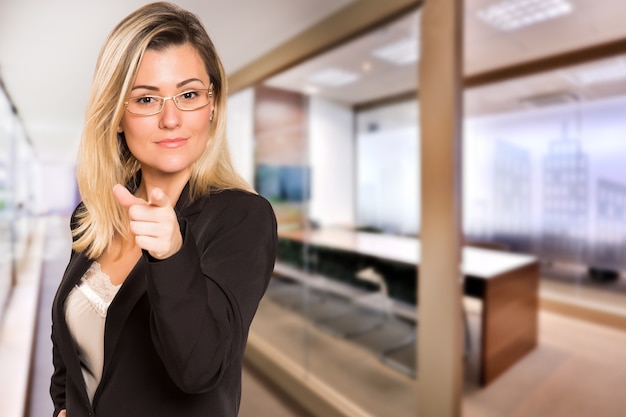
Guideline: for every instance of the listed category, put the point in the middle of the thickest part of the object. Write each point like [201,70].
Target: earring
[119,129]
[211,116]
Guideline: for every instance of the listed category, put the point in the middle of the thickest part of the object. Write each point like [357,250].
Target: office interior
[330,134]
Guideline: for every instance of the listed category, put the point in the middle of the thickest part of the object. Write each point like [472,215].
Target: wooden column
[440,343]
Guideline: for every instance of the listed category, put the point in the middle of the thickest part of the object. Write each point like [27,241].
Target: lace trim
[97,289]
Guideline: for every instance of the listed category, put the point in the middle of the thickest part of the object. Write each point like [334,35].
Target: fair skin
[166,144]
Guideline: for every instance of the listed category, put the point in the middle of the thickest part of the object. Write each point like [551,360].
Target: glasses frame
[173,98]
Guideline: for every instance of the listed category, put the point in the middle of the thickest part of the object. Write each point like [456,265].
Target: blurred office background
[324,121]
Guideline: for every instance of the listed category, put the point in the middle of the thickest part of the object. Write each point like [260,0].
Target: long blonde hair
[103,157]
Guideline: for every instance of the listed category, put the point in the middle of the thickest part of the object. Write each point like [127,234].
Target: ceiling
[48,52]
[589,22]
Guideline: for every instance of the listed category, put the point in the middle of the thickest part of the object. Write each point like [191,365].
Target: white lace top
[85,312]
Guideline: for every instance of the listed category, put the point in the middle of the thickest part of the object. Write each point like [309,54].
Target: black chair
[403,356]
[310,300]
[365,311]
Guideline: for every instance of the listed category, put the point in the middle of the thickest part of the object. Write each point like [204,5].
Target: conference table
[506,283]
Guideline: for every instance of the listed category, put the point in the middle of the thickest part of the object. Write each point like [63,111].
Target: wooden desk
[507,284]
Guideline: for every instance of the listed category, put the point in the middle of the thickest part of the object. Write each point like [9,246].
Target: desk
[507,284]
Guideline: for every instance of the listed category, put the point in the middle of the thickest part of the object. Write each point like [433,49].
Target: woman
[172,250]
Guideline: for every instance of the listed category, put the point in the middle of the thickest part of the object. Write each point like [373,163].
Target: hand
[153,222]
[62,413]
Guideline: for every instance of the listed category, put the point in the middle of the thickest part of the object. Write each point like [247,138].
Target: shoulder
[233,206]
[238,201]
[234,214]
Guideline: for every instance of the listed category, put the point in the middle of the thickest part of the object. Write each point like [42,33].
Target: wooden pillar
[440,342]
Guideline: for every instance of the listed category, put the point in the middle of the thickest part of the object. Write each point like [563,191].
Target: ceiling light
[508,15]
[334,77]
[402,52]
[550,99]
[598,73]
[311,90]
[366,66]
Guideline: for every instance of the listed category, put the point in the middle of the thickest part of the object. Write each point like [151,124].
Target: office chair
[307,292]
[403,356]
[370,320]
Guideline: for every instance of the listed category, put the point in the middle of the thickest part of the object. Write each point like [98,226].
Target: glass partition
[388,147]
[336,145]
[282,174]
[544,172]
[543,158]
[16,161]
[340,309]
[6,209]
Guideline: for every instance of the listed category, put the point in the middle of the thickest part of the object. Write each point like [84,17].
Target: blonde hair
[103,157]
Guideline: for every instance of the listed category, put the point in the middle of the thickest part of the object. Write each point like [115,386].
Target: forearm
[192,321]
[204,296]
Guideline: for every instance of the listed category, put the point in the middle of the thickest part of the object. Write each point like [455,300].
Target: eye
[145,100]
[189,95]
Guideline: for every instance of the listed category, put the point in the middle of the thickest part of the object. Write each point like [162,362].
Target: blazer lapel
[185,207]
[76,269]
[129,294]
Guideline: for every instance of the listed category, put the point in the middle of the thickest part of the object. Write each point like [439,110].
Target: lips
[172,142]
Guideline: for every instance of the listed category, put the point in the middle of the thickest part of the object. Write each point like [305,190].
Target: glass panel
[7,122]
[339,305]
[388,184]
[282,174]
[544,175]
[16,196]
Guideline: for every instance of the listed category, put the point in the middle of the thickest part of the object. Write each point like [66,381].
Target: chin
[168,167]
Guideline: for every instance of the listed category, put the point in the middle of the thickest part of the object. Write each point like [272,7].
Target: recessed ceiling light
[402,52]
[508,15]
[598,73]
[334,77]
[550,99]
[311,90]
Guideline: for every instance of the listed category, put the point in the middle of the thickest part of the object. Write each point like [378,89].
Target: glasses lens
[144,104]
[189,100]
[192,100]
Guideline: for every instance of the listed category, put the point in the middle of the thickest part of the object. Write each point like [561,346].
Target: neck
[171,184]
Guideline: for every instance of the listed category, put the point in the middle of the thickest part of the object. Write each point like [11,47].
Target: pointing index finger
[125,198]
[158,198]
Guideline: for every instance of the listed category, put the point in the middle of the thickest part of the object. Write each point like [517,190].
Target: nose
[170,116]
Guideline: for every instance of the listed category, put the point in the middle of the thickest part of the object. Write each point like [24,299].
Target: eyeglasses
[147,105]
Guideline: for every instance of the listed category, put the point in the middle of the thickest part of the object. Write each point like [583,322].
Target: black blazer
[176,331]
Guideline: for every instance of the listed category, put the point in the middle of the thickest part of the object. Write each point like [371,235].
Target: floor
[601,297]
[578,369]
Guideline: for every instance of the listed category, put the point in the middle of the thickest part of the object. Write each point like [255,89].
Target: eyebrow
[180,84]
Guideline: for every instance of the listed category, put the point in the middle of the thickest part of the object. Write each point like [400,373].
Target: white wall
[241,132]
[54,187]
[388,180]
[331,154]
